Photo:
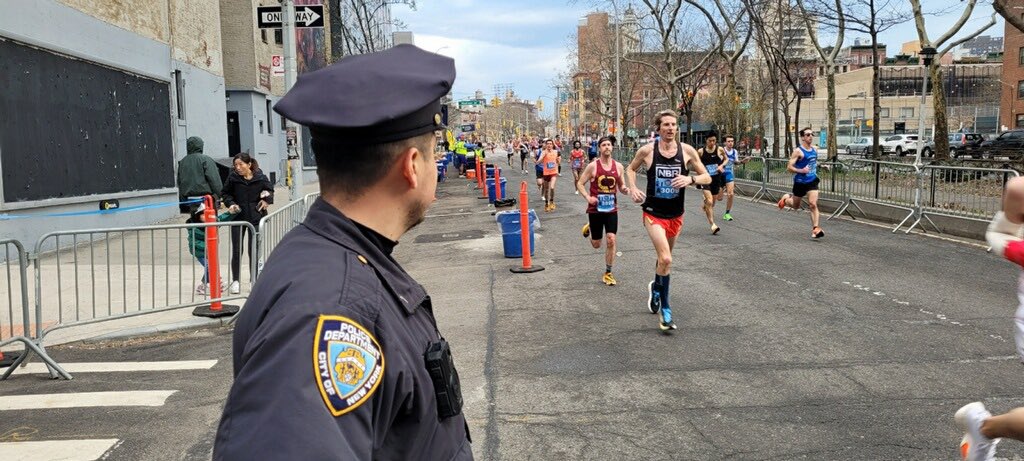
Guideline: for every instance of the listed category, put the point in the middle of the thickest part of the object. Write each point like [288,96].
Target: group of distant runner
[668,165]
[672,166]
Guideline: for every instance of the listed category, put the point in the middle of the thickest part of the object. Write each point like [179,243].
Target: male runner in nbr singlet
[668,163]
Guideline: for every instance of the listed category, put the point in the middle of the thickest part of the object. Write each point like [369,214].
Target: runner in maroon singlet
[605,177]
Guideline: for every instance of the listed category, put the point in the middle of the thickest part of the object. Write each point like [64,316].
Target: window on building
[261,126]
[179,94]
[857,113]
[270,120]
[278,36]
[883,112]
[283,123]
[906,112]
[263,35]
[1020,56]
[1020,121]
[1020,89]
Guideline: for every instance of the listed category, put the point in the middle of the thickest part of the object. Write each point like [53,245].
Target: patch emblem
[437,119]
[348,363]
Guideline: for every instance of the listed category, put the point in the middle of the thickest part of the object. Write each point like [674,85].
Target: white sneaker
[236,288]
[974,446]
[201,289]
[576,192]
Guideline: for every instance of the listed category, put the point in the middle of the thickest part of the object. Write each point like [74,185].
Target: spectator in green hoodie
[197,174]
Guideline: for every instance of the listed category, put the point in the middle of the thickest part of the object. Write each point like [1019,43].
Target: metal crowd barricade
[961,192]
[96,275]
[275,225]
[15,319]
[751,173]
[776,179]
[309,199]
[888,184]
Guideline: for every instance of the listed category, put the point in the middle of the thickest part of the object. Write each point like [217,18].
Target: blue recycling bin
[442,171]
[491,193]
[511,233]
[490,171]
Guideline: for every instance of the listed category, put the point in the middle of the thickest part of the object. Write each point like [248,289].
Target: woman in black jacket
[248,193]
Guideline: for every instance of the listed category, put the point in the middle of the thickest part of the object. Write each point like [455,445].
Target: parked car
[900,144]
[1007,144]
[861,146]
[964,144]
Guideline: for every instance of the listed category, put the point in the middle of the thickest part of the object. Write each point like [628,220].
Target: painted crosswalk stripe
[64,450]
[85,399]
[112,367]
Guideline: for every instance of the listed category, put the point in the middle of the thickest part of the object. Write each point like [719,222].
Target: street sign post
[745,105]
[306,16]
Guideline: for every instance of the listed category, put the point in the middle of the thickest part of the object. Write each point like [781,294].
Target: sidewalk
[118,273]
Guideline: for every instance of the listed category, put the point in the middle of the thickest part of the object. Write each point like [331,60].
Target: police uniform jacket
[332,316]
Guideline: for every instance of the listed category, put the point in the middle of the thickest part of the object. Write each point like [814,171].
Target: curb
[197,324]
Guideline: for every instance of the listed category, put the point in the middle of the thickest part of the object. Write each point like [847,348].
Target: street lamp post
[926,54]
[618,84]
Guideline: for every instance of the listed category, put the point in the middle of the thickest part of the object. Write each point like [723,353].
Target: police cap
[372,98]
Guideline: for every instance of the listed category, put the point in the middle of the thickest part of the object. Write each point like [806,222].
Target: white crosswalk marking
[84,399]
[109,367]
[54,450]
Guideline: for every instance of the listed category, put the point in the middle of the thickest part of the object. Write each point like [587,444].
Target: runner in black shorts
[713,158]
[605,178]
[803,163]
[801,189]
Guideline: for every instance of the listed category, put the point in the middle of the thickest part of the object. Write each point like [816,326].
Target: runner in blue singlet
[804,166]
[732,158]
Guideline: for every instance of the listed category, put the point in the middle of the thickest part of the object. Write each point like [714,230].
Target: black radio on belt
[442,371]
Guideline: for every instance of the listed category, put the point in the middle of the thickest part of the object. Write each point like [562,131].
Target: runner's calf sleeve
[1001,232]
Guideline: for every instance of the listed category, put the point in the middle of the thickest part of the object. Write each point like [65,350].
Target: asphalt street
[857,346]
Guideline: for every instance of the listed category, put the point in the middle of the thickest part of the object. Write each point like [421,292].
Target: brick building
[1011,100]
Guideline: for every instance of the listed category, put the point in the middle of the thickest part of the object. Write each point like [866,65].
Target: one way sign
[269,17]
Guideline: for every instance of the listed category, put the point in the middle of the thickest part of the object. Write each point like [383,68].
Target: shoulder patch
[348,363]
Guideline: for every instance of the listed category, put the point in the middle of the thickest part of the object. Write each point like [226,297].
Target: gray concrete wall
[53,26]
[268,147]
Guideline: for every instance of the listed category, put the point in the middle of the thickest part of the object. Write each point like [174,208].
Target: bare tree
[790,75]
[873,17]
[357,26]
[663,19]
[829,60]
[943,45]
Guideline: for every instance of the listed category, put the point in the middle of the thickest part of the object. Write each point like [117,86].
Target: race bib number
[550,165]
[663,176]
[577,163]
[712,168]
[605,203]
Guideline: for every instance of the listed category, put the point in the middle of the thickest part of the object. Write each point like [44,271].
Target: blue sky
[524,43]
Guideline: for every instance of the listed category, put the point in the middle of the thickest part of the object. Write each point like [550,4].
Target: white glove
[1001,232]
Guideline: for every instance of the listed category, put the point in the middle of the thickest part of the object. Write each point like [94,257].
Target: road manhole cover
[450,236]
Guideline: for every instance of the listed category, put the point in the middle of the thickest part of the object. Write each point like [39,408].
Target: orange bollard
[524,222]
[481,180]
[214,309]
[497,184]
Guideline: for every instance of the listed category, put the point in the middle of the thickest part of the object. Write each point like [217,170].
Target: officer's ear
[410,164]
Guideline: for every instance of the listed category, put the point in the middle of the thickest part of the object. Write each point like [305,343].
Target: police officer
[337,354]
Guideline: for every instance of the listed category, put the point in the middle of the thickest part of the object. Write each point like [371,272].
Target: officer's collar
[327,221]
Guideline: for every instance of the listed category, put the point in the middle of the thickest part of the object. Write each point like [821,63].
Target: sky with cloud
[525,42]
